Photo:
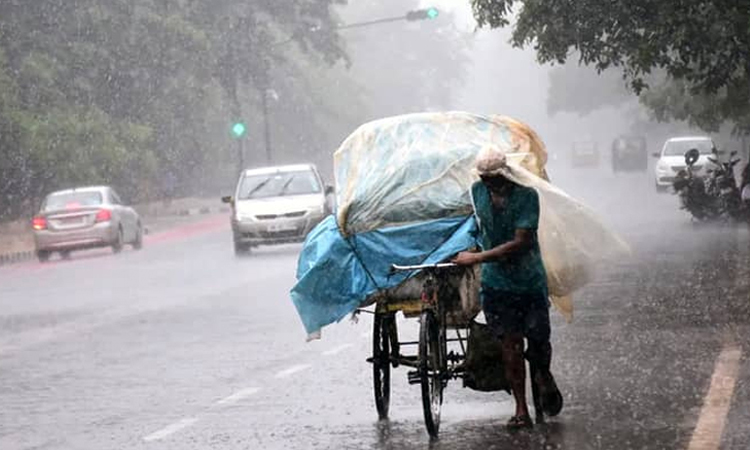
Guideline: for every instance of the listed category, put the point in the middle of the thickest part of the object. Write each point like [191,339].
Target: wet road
[183,346]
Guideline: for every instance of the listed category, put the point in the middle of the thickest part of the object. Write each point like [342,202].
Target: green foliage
[702,46]
[125,92]
[140,94]
[673,100]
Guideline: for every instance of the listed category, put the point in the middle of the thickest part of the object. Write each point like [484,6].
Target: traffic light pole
[241,153]
[266,125]
[411,16]
[371,22]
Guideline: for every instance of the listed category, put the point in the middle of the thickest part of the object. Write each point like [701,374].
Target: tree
[126,92]
[702,46]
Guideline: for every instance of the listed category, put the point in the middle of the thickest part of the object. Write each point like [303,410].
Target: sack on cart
[461,300]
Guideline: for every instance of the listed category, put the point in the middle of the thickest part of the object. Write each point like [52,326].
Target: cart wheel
[431,368]
[381,367]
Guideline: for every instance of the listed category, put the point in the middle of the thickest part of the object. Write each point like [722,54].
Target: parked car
[629,153]
[584,154]
[671,159]
[82,218]
[275,205]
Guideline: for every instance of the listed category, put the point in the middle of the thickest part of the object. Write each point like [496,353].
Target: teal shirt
[524,272]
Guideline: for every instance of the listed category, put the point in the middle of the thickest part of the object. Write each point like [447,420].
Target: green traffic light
[432,13]
[238,129]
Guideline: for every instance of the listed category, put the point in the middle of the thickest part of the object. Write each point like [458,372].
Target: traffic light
[422,14]
[238,129]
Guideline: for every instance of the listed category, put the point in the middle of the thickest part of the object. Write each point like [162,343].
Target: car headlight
[661,167]
[244,216]
[317,210]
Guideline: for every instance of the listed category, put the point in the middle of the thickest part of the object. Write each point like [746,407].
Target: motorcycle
[714,197]
[745,191]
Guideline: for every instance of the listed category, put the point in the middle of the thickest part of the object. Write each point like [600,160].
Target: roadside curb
[7,259]
[203,210]
[15,257]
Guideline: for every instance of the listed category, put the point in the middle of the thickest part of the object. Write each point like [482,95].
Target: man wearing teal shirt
[514,283]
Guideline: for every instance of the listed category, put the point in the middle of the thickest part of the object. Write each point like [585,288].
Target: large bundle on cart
[402,187]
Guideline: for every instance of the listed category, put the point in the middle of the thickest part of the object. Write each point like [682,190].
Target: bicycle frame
[434,365]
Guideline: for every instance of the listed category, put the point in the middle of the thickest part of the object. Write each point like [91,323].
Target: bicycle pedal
[414,377]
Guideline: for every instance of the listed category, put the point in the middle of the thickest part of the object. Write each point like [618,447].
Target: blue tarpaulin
[335,275]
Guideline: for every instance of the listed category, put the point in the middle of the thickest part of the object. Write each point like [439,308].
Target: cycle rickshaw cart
[443,298]
[403,197]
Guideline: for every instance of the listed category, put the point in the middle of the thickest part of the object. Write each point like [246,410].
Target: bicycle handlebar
[397,268]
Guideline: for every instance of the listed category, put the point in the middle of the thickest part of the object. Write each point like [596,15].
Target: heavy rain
[374,224]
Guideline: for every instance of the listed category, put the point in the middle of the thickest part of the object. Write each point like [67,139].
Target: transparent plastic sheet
[418,167]
[573,241]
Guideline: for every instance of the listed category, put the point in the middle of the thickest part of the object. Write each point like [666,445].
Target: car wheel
[661,189]
[42,255]
[138,242]
[241,249]
[117,245]
[65,254]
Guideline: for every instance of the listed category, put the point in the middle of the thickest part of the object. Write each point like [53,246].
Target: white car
[672,159]
[275,205]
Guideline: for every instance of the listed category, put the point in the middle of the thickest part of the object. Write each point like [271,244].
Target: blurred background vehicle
[629,153]
[584,154]
[671,159]
[82,218]
[276,205]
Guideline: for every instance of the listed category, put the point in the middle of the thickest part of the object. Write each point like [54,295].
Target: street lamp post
[413,15]
[266,125]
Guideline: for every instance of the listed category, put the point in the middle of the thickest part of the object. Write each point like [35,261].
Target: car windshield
[278,184]
[72,200]
[627,143]
[584,147]
[678,148]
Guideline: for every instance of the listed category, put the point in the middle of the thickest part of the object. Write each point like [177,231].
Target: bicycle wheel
[431,368]
[381,366]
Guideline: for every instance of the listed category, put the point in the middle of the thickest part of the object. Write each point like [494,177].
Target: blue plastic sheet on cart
[336,275]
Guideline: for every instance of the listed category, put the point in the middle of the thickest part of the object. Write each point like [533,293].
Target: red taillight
[103,215]
[39,223]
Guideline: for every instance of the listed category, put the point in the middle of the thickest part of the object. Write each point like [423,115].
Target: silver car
[275,205]
[83,218]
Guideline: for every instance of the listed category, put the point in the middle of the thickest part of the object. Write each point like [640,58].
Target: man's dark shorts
[517,313]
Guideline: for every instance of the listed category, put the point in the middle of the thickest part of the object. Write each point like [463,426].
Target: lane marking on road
[170,429]
[239,395]
[337,350]
[292,370]
[710,427]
